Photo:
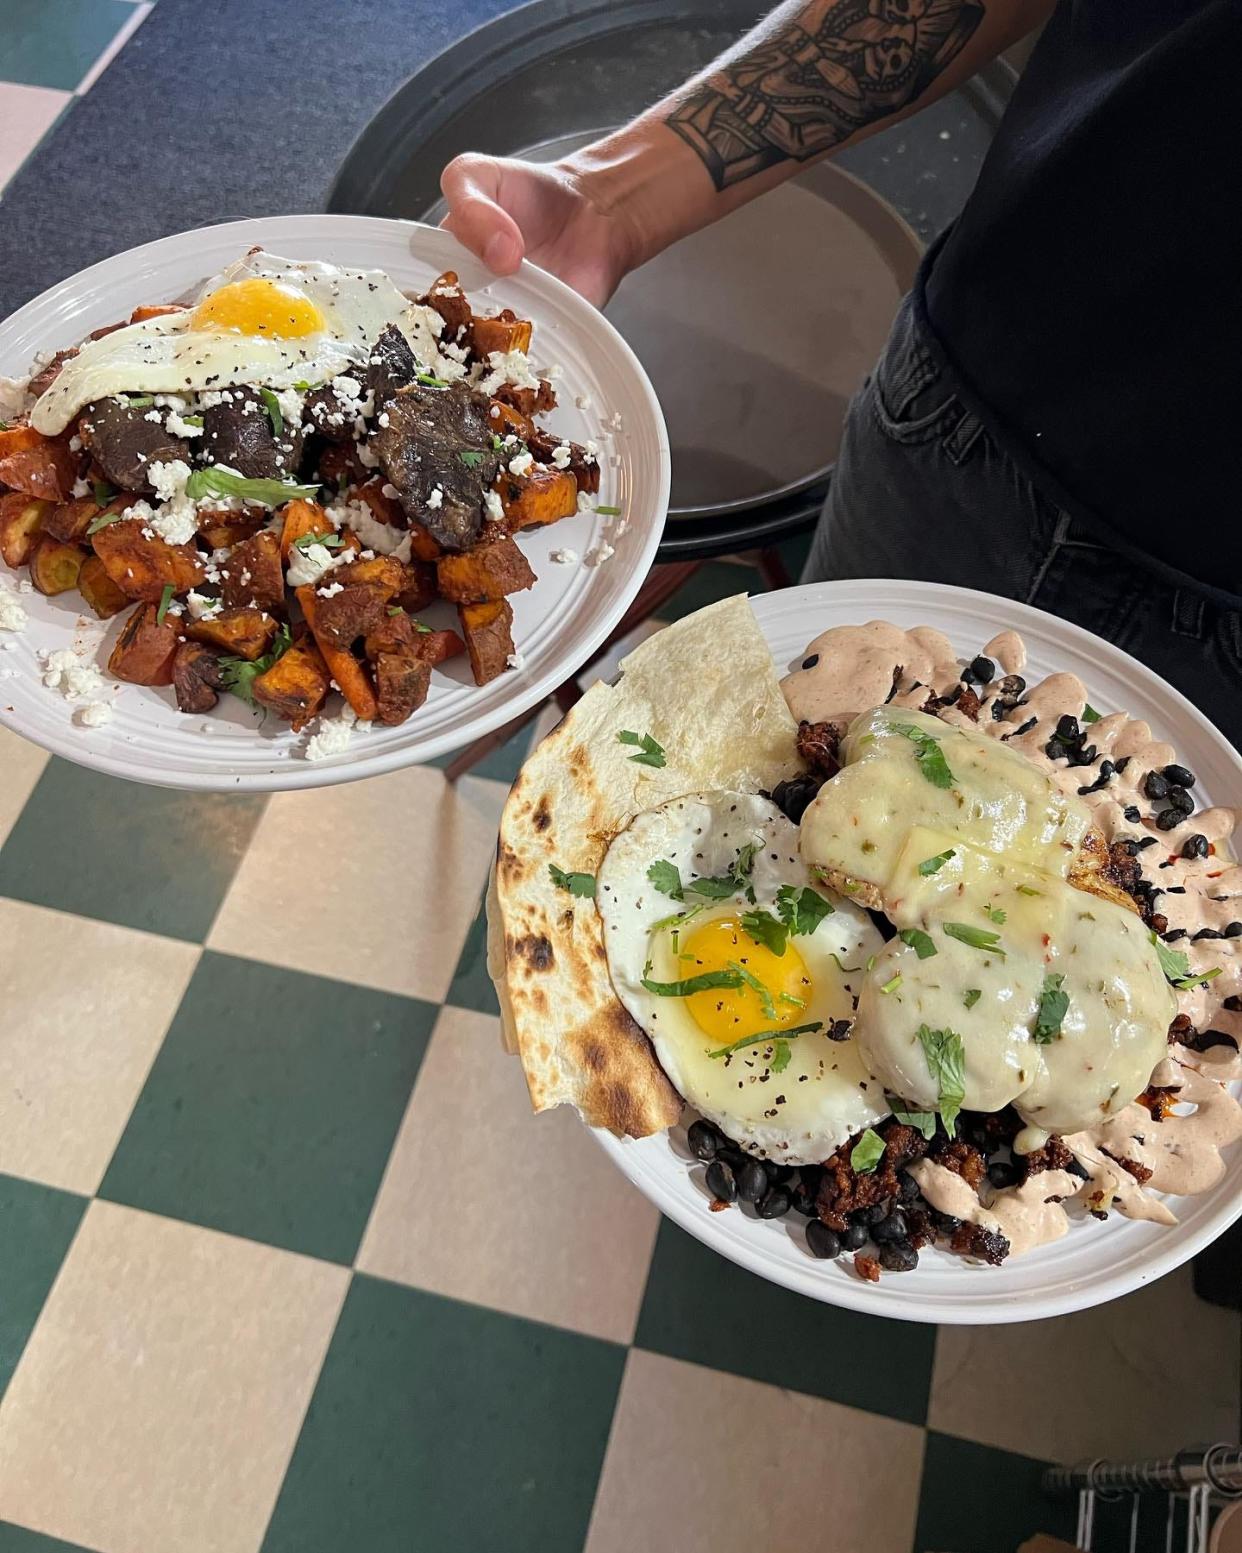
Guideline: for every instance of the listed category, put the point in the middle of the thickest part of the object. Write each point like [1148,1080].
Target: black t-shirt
[1090,294]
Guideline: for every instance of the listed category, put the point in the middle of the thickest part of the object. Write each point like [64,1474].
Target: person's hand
[552,214]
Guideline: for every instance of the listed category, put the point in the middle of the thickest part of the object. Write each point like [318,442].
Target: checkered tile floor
[286,1264]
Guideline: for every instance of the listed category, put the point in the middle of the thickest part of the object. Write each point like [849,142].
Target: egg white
[826,1093]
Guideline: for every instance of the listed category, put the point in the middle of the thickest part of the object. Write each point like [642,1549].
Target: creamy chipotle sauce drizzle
[849,669]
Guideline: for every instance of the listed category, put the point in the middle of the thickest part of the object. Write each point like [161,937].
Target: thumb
[471,185]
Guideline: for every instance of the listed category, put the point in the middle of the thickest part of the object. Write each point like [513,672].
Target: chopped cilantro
[995,914]
[764,928]
[649,752]
[328,541]
[1027,889]
[103,493]
[609,512]
[971,996]
[757,987]
[892,984]
[933,865]
[166,598]
[1089,714]
[703,982]
[801,910]
[928,754]
[924,1121]
[218,481]
[1053,1005]
[471,457]
[238,675]
[867,1152]
[976,937]
[103,520]
[272,405]
[1176,967]
[946,1060]
[763,1036]
[582,885]
[919,941]
[666,878]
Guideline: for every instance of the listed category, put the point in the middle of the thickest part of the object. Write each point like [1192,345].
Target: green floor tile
[55,42]
[16,1539]
[36,1225]
[714,580]
[272,1106]
[979,1500]
[437,1425]
[472,986]
[145,857]
[700,1307]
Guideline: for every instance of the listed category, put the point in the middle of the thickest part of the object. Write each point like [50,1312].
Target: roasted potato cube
[242,633]
[505,332]
[401,686]
[528,401]
[488,630]
[54,567]
[196,677]
[393,633]
[253,574]
[448,299]
[99,590]
[418,586]
[385,509]
[435,647]
[345,669]
[297,684]
[143,566]
[68,521]
[351,599]
[301,518]
[145,649]
[506,421]
[224,529]
[582,465]
[489,571]
[21,518]
[340,465]
[538,497]
[40,466]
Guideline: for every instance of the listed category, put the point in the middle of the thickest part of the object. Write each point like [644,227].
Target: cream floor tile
[699,1462]
[160,1395]
[1091,1384]
[401,861]
[563,1238]
[21,764]
[26,114]
[83,1008]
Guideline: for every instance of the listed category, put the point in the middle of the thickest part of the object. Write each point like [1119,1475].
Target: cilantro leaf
[712,889]
[103,493]
[649,752]
[1053,1006]
[976,937]
[582,885]
[919,941]
[867,1152]
[1176,966]
[666,878]
[923,1121]
[238,675]
[995,914]
[801,910]
[781,1053]
[971,996]
[933,865]
[778,1037]
[946,1061]
[218,481]
[1089,714]
[471,457]
[103,520]
[272,405]
[166,598]
[704,982]
[763,927]
[757,987]
[928,754]
[328,541]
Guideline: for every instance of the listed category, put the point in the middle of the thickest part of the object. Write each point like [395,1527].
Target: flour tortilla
[705,688]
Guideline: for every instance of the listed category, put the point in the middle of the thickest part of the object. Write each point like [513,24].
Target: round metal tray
[756,331]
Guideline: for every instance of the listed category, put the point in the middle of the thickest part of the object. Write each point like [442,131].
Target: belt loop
[958,442]
[1189,614]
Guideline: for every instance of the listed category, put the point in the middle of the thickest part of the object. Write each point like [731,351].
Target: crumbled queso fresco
[77,681]
[334,734]
[13,616]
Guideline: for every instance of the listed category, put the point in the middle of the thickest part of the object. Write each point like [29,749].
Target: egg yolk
[259,306]
[729,1013]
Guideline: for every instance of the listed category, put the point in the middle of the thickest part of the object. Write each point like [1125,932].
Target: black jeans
[922,490]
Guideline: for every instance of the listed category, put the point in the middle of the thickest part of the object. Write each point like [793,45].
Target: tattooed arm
[814,76]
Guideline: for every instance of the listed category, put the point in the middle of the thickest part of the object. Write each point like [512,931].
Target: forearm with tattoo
[817,75]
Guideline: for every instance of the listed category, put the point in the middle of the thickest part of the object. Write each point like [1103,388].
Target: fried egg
[737,966]
[266,321]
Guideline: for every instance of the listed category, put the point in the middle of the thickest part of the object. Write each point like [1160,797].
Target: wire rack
[1192,1484]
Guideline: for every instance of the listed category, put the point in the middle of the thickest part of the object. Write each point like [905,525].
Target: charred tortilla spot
[542,816]
[536,950]
[594,1056]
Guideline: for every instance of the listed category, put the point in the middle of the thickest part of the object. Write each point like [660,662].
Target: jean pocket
[909,399]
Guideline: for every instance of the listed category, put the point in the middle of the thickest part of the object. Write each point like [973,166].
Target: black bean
[1234,930]
[731,1155]
[1233,1003]
[853,1237]
[946,1223]
[793,796]
[1025,728]
[1085,756]
[1055,749]
[1179,798]
[777,1174]
[809,663]
[705,1140]
[822,1241]
[981,669]
[1195,846]
[1169,819]
[1002,1174]
[810,1176]
[1068,730]
[1172,936]
[1132,813]
[804,1202]
[1155,786]
[1122,764]
[1180,776]
[907,1187]
[1208,932]
[1075,1169]
[872,1216]
[752,1181]
[892,1227]
[898,1256]
[1147,841]
[773,1204]
[839,1029]
[720,1181]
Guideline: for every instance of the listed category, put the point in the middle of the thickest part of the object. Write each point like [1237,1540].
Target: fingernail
[501,252]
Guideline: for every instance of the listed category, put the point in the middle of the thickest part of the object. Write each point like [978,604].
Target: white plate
[558,624]
[1095,1261]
